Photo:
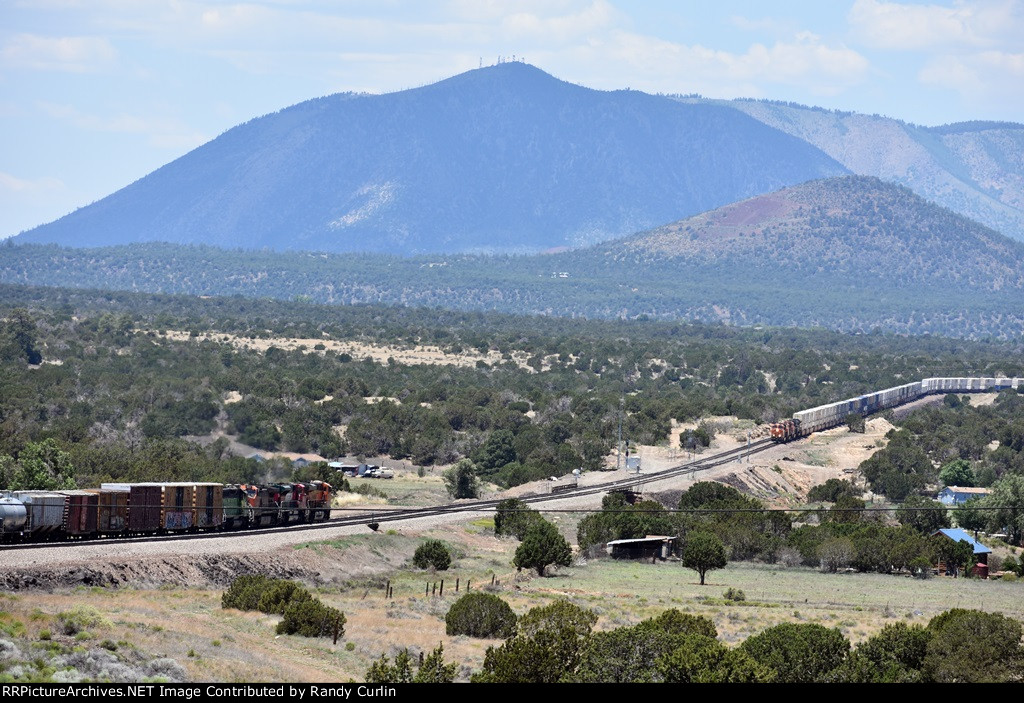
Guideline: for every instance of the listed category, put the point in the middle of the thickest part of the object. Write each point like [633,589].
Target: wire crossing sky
[94,94]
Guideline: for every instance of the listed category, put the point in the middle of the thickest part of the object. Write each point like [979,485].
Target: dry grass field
[189,626]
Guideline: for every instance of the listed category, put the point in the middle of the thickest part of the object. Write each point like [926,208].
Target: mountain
[504,158]
[856,231]
[846,253]
[973,168]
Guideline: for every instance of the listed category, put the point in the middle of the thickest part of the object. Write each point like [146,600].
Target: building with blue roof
[981,552]
[958,495]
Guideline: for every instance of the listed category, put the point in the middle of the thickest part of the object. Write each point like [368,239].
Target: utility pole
[618,453]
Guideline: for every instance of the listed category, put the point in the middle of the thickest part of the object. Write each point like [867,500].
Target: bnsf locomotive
[127,509]
[834,414]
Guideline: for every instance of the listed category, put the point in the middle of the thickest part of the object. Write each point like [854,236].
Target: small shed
[958,495]
[649,547]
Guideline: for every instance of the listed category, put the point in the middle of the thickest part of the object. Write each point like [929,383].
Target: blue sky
[96,93]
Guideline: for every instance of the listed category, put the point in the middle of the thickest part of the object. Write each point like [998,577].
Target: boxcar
[112,511]
[81,509]
[144,503]
[209,502]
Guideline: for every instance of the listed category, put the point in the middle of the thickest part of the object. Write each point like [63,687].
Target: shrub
[699,659]
[264,594]
[244,592]
[546,647]
[734,594]
[278,595]
[432,553]
[81,617]
[461,481]
[303,614]
[433,670]
[894,655]
[311,618]
[974,647]
[799,653]
[480,615]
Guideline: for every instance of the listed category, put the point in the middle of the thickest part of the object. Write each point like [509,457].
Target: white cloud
[26,186]
[649,63]
[69,54]
[982,23]
[162,132]
[986,75]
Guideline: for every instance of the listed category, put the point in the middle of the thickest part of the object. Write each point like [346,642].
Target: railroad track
[400,514]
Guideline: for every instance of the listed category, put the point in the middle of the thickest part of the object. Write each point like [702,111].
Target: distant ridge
[859,231]
[975,168]
[850,253]
[505,158]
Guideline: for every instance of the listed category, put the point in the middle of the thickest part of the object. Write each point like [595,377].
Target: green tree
[434,669]
[21,333]
[971,646]
[855,422]
[461,481]
[629,654]
[923,514]
[7,468]
[830,491]
[969,517]
[480,615]
[43,466]
[432,553]
[496,452]
[958,473]
[703,552]
[1007,495]
[382,671]
[542,546]
[700,659]
[546,648]
[894,655]
[846,509]
[799,653]
[955,554]
[513,517]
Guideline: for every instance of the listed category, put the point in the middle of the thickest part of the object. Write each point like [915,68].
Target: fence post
[442,588]
[456,585]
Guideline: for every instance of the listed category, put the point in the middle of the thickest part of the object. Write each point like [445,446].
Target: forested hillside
[850,253]
[119,392]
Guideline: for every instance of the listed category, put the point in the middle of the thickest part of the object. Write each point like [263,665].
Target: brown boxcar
[209,502]
[80,512]
[179,508]
[113,510]
[144,503]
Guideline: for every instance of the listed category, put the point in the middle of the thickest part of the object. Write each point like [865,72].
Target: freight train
[824,417]
[133,509]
